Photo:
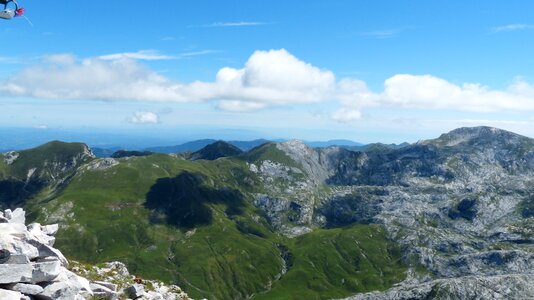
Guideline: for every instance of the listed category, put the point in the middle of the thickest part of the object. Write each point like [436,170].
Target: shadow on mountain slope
[184,200]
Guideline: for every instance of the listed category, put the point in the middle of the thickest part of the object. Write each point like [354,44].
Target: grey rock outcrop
[34,268]
[515,286]
[461,207]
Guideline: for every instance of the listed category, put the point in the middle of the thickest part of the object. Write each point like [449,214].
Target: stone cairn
[32,269]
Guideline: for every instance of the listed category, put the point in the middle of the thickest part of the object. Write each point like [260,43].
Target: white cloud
[152,55]
[240,106]
[195,53]
[144,117]
[346,114]
[139,55]
[511,27]
[60,59]
[91,79]
[269,78]
[430,92]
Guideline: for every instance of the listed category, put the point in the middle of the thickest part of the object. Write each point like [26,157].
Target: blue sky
[387,71]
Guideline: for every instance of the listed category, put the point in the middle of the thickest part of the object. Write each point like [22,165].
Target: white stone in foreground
[9,295]
[28,289]
[67,287]
[45,271]
[15,273]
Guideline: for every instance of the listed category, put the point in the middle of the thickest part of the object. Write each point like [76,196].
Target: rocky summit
[31,268]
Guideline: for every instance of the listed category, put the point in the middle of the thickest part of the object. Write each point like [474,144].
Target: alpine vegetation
[449,217]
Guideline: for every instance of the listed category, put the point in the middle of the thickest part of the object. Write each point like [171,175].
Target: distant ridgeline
[195,146]
[451,217]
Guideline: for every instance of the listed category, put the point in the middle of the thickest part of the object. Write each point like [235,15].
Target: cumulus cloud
[268,78]
[144,117]
[427,91]
[430,92]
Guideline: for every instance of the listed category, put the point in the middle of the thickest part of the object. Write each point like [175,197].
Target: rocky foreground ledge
[31,268]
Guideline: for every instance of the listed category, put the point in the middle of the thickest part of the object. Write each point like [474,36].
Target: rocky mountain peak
[476,135]
[295,149]
[216,150]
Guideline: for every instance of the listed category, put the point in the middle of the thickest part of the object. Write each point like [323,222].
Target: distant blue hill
[197,145]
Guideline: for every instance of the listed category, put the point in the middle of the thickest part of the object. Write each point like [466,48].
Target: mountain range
[447,218]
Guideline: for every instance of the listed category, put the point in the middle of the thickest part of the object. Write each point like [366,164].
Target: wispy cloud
[512,27]
[195,53]
[383,34]
[153,55]
[139,55]
[232,24]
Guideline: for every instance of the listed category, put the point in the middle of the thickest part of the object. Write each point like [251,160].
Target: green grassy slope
[234,256]
[4,170]
[110,222]
[336,263]
[39,172]
[43,156]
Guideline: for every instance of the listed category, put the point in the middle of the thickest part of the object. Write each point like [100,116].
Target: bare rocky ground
[461,206]
[31,268]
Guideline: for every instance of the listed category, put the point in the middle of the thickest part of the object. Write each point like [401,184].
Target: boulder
[135,291]
[15,238]
[45,271]
[48,251]
[9,295]
[50,229]
[18,259]
[17,216]
[108,285]
[14,229]
[28,289]
[15,273]
[67,286]
[35,229]
[103,292]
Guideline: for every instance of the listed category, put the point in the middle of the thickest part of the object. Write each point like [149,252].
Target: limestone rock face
[470,287]
[31,268]
[460,206]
